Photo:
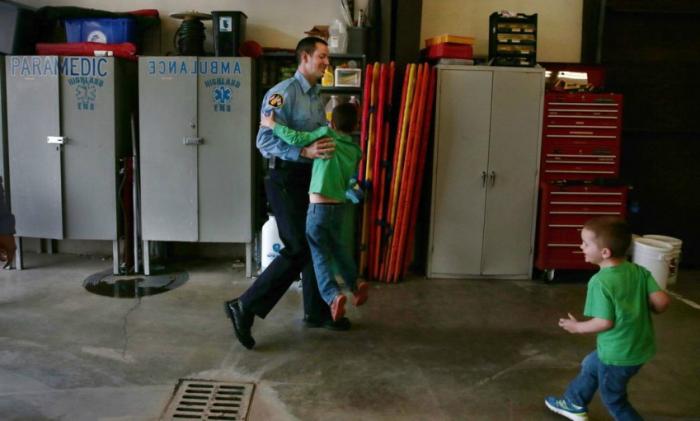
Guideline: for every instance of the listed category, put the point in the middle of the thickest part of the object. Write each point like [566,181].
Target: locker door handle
[56,140]
[492,178]
[192,141]
[483,179]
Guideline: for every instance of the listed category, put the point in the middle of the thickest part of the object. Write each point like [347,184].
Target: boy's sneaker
[360,295]
[338,307]
[563,407]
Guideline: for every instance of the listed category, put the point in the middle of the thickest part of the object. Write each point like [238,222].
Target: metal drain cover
[209,400]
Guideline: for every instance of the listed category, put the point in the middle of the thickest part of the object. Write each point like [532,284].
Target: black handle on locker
[192,141]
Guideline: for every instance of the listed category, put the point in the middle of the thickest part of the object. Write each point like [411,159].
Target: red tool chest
[580,145]
[581,136]
[564,208]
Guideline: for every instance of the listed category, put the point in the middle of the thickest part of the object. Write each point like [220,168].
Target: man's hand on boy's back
[322,148]
[267,120]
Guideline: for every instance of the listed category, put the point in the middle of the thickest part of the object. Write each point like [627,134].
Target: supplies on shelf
[513,39]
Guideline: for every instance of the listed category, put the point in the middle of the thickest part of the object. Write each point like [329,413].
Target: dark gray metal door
[33,126]
[168,147]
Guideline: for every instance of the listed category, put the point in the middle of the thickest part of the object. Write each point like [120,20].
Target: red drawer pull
[588,203]
[586,193]
[586,104]
[578,126]
[561,161]
[583,213]
[599,117]
[563,155]
[580,136]
[578,172]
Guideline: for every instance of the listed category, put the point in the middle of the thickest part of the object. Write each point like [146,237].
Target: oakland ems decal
[222,91]
[86,93]
[222,99]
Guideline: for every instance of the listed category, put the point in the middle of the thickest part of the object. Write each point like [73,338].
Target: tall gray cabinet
[68,126]
[486,158]
[3,129]
[196,136]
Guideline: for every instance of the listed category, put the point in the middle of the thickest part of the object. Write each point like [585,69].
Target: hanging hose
[189,38]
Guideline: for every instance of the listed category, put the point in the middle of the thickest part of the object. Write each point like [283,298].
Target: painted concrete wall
[272,23]
[559,23]
[279,23]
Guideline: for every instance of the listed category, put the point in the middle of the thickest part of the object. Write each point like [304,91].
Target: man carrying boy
[620,299]
[297,103]
[330,179]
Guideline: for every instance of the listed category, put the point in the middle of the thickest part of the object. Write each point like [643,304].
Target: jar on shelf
[332,103]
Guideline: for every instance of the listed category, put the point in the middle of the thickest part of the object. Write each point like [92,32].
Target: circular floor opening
[107,284]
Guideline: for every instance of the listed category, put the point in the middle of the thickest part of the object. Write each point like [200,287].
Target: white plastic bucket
[654,255]
[270,243]
[675,255]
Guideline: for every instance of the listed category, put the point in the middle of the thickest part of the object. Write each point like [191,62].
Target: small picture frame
[348,77]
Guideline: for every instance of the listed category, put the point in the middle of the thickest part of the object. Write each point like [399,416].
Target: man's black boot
[242,322]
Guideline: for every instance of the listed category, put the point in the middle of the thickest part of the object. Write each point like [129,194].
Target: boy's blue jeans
[611,380]
[324,224]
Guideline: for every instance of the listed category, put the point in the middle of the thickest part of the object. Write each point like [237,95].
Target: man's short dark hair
[611,232]
[345,117]
[308,45]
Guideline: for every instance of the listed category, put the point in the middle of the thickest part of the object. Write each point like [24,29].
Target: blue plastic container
[102,30]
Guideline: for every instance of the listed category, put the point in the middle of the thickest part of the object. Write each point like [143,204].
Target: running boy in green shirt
[620,299]
[330,179]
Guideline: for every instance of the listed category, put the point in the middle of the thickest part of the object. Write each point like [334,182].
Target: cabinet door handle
[56,140]
[492,178]
[483,179]
[192,141]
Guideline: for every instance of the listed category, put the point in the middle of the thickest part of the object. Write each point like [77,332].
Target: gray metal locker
[3,130]
[486,156]
[68,124]
[196,154]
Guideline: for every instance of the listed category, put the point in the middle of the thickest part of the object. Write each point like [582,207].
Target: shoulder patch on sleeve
[275,101]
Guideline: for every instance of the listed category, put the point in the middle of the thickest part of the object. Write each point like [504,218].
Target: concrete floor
[419,350]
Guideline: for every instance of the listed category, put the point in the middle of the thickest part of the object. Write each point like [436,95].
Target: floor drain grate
[209,400]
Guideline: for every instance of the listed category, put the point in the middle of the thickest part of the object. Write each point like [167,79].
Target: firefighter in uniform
[295,103]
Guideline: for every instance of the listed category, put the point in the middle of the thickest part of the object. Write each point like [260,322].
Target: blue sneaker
[565,408]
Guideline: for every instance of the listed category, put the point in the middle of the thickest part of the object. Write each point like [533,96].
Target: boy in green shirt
[620,299]
[330,179]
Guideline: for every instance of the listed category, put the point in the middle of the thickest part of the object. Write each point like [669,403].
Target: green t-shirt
[329,177]
[621,294]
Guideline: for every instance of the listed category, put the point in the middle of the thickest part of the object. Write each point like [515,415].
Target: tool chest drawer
[597,113]
[581,136]
[580,159]
[563,211]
